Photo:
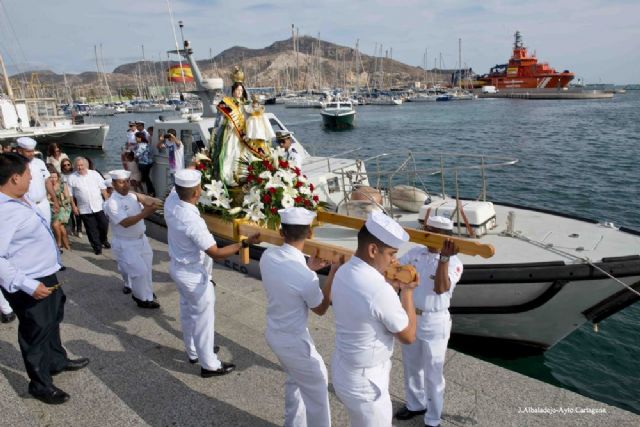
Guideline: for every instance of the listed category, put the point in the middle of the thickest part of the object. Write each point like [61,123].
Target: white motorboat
[38,119]
[551,271]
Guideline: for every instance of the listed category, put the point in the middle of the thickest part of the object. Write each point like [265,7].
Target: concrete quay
[139,373]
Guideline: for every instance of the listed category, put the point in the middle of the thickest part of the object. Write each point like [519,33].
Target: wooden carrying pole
[468,247]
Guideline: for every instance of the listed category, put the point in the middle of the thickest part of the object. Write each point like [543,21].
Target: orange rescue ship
[524,72]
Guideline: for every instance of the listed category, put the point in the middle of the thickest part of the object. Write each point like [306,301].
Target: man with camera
[175,152]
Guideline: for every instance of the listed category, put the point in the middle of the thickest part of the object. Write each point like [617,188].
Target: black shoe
[62,268]
[193,361]
[8,318]
[216,348]
[147,304]
[76,364]
[106,245]
[97,251]
[53,396]
[406,414]
[126,290]
[225,369]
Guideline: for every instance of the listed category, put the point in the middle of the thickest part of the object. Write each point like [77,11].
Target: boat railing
[410,172]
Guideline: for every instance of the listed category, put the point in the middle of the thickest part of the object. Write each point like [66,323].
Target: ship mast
[6,79]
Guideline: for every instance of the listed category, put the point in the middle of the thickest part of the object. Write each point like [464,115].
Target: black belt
[50,281]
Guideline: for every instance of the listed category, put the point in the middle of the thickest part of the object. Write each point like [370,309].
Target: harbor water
[575,157]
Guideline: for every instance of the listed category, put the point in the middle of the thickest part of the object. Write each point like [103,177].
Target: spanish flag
[176,73]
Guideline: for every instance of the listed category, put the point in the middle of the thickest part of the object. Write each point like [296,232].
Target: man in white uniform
[293,288]
[190,243]
[126,212]
[424,359]
[368,316]
[40,185]
[294,152]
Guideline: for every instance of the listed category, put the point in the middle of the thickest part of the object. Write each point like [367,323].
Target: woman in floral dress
[60,219]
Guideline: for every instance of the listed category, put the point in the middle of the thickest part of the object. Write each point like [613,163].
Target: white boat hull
[91,136]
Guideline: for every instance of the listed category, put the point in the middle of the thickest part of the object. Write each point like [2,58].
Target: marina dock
[139,373]
[548,94]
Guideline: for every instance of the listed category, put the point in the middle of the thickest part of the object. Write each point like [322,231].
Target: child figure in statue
[259,130]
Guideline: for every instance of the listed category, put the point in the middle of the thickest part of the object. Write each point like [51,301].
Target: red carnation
[298,199]
[316,198]
[272,190]
[201,166]
[267,164]
[259,180]
[250,178]
[311,187]
[284,164]
[250,168]
[299,184]
[274,210]
[266,198]
[297,171]
[307,202]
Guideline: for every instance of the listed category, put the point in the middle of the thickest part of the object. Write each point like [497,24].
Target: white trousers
[45,209]
[197,299]
[364,392]
[306,387]
[5,308]
[423,363]
[135,262]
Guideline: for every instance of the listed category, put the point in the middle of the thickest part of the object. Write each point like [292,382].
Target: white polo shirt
[39,173]
[28,250]
[292,288]
[426,264]
[367,312]
[87,191]
[118,208]
[188,234]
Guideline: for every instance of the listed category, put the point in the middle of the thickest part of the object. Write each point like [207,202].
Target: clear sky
[599,40]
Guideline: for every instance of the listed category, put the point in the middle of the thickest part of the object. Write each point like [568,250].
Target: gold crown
[237,76]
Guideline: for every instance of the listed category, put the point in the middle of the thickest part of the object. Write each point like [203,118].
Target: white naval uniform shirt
[368,312]
[295,155]
[292,288]
[426,264]
[39,173]
[118,208]
[86,190]
[27,248]
[188,234]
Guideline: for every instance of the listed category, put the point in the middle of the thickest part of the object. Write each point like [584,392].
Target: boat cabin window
[197,144]
[332,105]
[275,125]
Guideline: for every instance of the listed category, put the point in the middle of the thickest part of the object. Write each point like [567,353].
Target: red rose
[311,187]
[316,198]
[307,202]
[266,198]
[274,210]
[201,166]
[259,180]
[272,190]
[284,164]
[250,168]
[297,171]
[298,199]
[250,178]
[299,184]
[267,164]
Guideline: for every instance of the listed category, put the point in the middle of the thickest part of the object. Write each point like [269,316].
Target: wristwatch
[444,258]
[244,243]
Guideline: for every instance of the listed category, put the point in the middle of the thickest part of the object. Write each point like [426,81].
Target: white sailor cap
[108,182]
[386,229]
[440,222]
[282,134]
[296,216]
[119,174]
[188,178]
[26,143]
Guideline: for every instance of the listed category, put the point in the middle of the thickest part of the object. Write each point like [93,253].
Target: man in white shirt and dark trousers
[126,212]
[293,288]
[368,316]
[175,152]
[190,244]
[40,185]
[90,191]
[29,260]
[440,271]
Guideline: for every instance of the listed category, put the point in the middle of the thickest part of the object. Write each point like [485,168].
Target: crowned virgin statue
[232,143]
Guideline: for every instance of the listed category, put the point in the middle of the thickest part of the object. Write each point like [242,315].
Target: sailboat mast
[460,63]
[6,79]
